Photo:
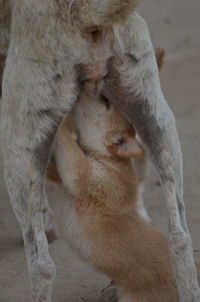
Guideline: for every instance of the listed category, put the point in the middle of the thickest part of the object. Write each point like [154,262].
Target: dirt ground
[76,281]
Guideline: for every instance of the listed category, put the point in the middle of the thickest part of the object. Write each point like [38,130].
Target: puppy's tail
[101,12]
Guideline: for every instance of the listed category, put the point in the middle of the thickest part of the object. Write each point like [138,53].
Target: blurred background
[175,26]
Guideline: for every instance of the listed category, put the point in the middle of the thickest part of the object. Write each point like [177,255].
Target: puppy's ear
[125,145]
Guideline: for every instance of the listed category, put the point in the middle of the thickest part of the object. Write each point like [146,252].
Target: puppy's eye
[106,102]
[120,141]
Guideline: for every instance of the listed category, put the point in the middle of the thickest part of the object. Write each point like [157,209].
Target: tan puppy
[100,219]
[141,163]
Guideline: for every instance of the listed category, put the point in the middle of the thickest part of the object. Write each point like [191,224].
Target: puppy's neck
[108,159]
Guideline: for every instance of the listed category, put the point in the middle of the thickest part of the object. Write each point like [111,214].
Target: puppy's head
[124,144]
[103,130]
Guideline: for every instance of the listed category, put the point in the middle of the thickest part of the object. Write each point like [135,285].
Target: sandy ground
[75,281]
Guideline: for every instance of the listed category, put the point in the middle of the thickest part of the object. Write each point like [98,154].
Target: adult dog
[49,42]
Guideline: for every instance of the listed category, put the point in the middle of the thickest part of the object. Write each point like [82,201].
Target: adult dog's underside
[40,85]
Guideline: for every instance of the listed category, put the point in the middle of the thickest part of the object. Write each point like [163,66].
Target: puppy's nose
[93,88]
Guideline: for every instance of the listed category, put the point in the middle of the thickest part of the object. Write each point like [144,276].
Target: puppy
[100,220]
[140,163]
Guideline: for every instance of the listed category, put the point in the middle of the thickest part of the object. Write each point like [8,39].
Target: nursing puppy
[100,220]
[140,163]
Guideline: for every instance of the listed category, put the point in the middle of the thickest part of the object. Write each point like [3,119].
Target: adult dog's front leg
[31,112]
[134,86]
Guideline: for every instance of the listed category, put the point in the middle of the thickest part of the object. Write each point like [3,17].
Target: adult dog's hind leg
[133,84]
[155,123]
[31,113]
[25,186]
